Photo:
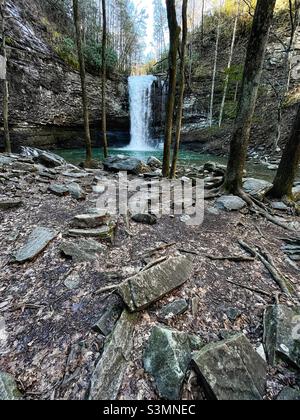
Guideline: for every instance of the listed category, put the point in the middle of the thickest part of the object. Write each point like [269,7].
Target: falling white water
[140,111]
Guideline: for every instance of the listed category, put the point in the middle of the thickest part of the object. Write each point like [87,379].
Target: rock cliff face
[45,102]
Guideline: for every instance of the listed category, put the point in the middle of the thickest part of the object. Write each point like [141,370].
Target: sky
[148,5]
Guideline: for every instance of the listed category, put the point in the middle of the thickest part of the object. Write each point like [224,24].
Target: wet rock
[153,162]
[145,218]
[178,307]
[282,334]
[59,189]
[126,164]
[8,388]
[104,232]
[72,282]
[82,250]
[256,187]
[289,394]
[230,203]
[36,243]
[109,372]
[231,370]
[147,287]
[109,317]
[166,358]
[91,221]
[10,204]
[210,166]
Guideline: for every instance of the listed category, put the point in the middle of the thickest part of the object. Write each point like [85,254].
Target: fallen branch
[159,248]
[279,278]
[235,258]
[251,289]
[154,263]
[110,288]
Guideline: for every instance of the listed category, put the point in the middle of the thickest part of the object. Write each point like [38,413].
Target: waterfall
[140,88]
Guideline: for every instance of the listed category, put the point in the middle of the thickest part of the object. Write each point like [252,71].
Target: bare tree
[181,87]
[104,69]
[229,66]
[286,174]
[78,29]
[212,96]
[7,143]
[174,30]
[251,79]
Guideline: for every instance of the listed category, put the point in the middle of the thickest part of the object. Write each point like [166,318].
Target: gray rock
[104,232]
[178,307]
[213,211]
[279,205]
[59,189]
[109,372]
[210,166]
[91,221]
[296,192]
[99,189]
[147,218]
[256,187]
[289,394]
[125,163]
[75,174]
[8,388]
[6,160]
[76,191]
[109,317]
[230,203]
[167,356]
[232,313]
[153,162]
[36,243]
[282,334]
[24,167]
[231,370]
[45,158]
[82,250]
[147,287]
[72,282]
[10,204]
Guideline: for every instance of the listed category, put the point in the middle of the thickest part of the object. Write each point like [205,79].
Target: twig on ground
[235,258]
[251,289]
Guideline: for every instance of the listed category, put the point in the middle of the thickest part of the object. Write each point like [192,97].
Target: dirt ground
[48,344]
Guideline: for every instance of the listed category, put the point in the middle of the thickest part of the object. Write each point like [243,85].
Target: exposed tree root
[252,289]
[235,258]
[282,281]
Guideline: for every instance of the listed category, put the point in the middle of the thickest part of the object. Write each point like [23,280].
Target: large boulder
[154,163]
[35,244]
[231,370]
[45,158]
[147,287]
[282,334]
[166,358]
[8,388]
[256,187]
[127,164]
[109,372]
[230,203]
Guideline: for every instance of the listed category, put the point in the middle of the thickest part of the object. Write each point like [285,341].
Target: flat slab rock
[230,203]
[256,187]
[10,204]
[109,372]
[82,250]
[231,370]
[166,358]
[282,334]
[36,243]
[83,221]
[8,388]
[125,163]
[147,287]
[104,232]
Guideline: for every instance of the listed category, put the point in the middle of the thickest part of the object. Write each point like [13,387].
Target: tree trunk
[181,87]
[228,68]
[211,108]
[251,79]
[283,183]
[174,30]
[83,83]
[202,23]
[104,45]
[7,144]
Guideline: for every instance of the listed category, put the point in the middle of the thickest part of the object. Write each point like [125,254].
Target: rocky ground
[65,281]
